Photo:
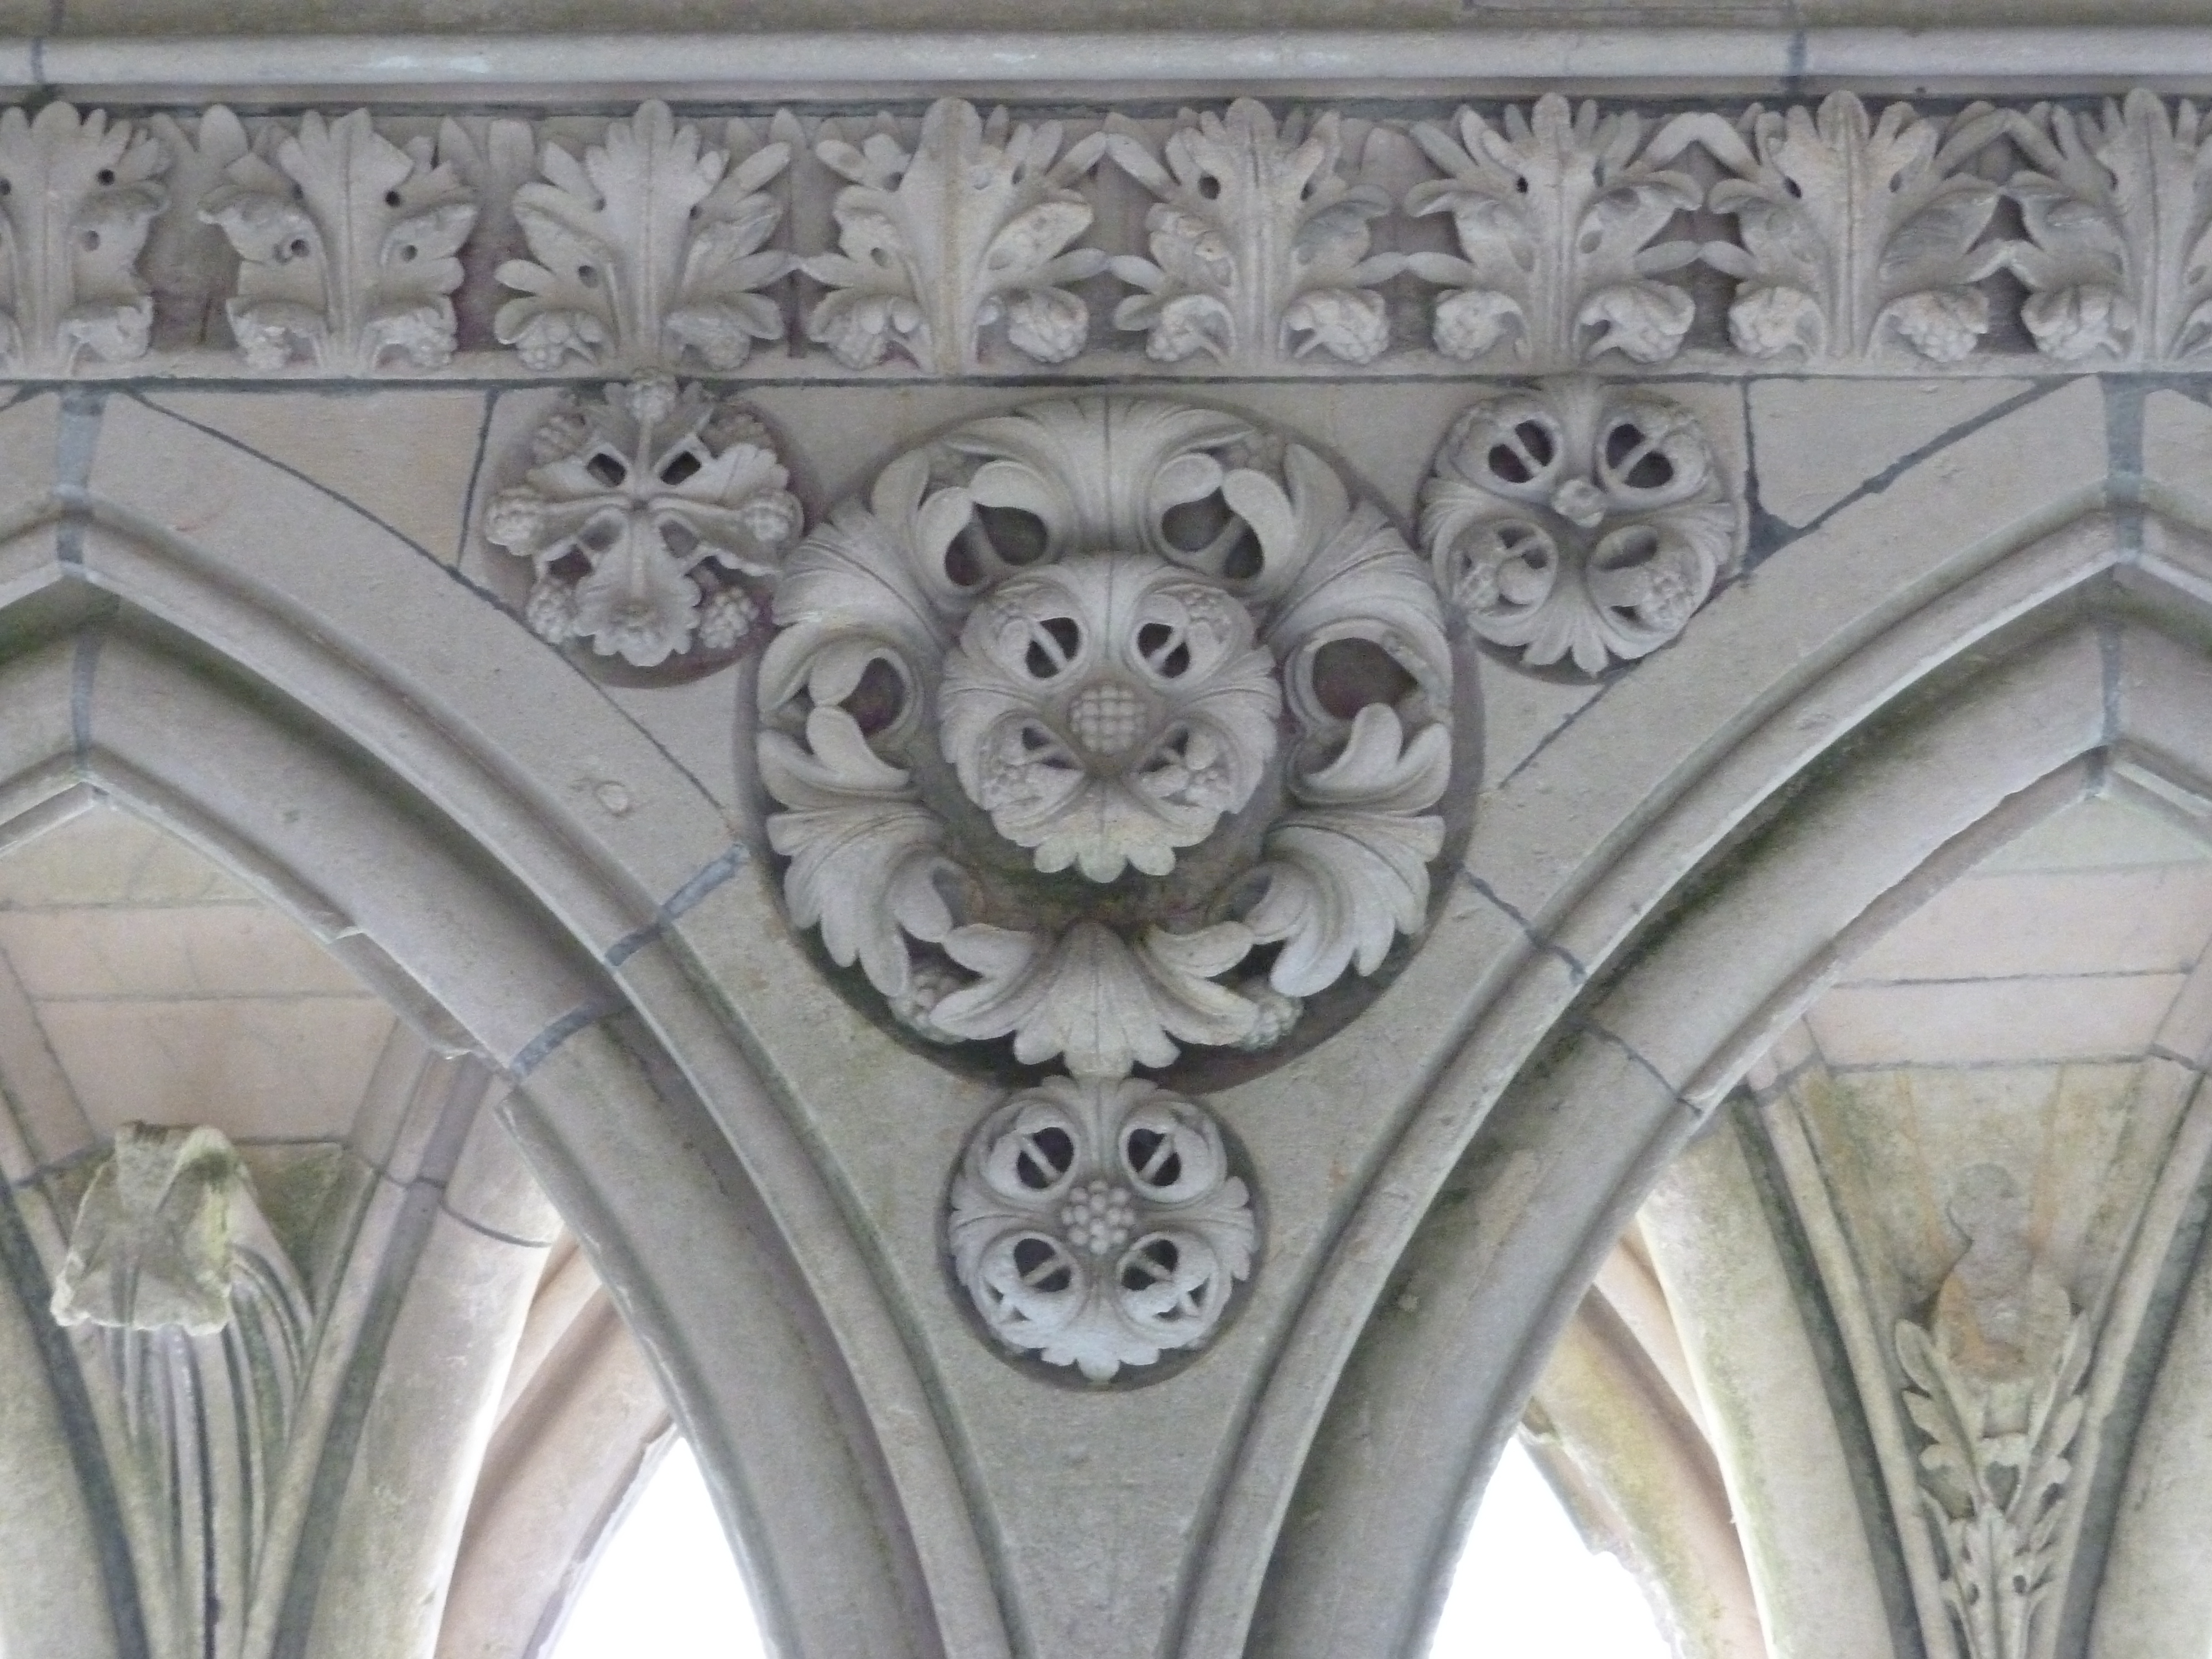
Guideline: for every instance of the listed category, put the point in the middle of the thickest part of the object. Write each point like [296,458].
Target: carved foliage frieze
[957,243]
[1097,1223]
[1085,704]
[1578,520]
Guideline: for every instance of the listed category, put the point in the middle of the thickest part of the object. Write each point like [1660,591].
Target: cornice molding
[1473,62]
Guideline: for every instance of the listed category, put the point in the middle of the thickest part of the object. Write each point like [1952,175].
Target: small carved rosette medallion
[1106,725]
[641,515]
[1580,521]
[1097,1223]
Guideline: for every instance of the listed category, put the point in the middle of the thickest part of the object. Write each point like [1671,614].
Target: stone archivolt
[963,243]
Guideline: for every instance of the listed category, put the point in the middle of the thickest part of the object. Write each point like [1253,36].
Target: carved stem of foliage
[1258,245]
[193,1321]
[2118,208]
[1578,520]
[1031,622]
[652,246]
[77,198]
[1994,1482]
[968,230]
[1097,1223]
[347,244]
[642,509]
[1555,215]
[1853,232]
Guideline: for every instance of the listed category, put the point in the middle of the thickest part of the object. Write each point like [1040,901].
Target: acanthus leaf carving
[652,246]
[1856,232]
[1097,1223]
[2118,209]
[1555,210]
[1065,674]
[347,246]
[643,510]
[1578,520]
[1260,246]
[77,198]
[969,230]
[1995,1384]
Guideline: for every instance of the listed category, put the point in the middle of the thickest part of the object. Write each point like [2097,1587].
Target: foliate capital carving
[156,1233]
[645,509]
[1995,1382]
[1576,520]
[1085,704]
[1097,1223]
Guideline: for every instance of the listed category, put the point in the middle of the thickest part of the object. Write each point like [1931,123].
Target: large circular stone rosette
[1106,725]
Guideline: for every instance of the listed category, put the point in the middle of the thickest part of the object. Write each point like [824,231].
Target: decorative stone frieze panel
[1578,520]
[1087,704]
[645,508]
[1097,1223]
[954,243]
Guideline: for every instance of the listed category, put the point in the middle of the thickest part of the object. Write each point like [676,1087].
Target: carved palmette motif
[1091,638]
[1097,1224]
[346,245]
[1579,521]
[1556,210]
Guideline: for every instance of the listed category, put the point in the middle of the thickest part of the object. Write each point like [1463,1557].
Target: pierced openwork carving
[1088,703]
[642,512]
[1995,1383]
[1578,520]
[1097,1223]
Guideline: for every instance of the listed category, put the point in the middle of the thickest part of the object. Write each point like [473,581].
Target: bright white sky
[665,1586]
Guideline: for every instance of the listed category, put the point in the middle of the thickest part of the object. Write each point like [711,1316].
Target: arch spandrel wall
[1905,583]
